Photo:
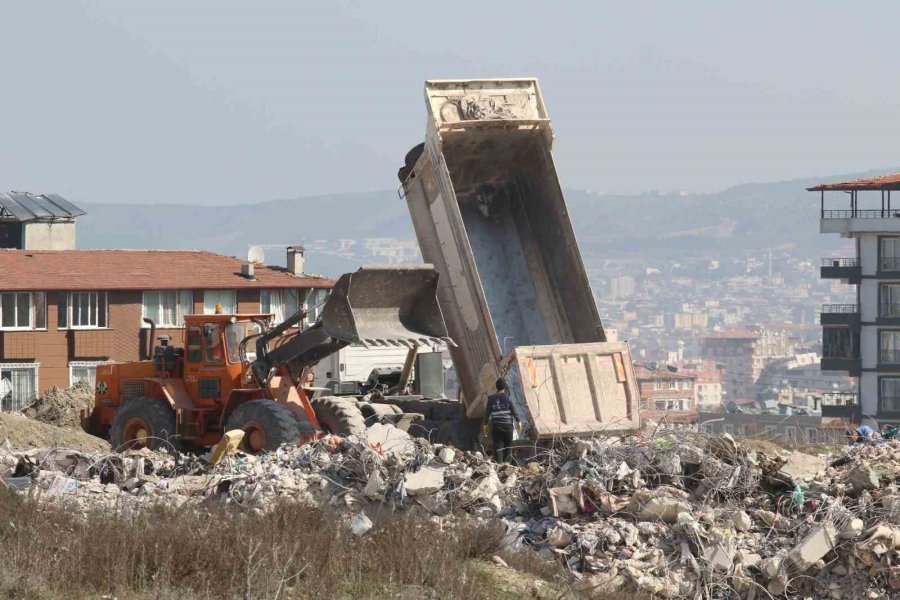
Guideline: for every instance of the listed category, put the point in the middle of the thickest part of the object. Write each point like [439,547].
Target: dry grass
[293,552]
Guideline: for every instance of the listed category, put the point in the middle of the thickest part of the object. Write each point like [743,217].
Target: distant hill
[739,219]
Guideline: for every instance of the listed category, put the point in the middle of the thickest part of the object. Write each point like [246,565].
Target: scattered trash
[360,524]
[677,515]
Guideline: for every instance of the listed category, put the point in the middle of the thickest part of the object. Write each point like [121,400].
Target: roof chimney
[296,259]
[247,270]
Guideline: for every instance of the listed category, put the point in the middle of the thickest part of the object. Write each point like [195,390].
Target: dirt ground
[21,432]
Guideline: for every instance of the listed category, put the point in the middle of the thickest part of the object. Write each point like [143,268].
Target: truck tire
[144,423]
[266,425]
[338,416]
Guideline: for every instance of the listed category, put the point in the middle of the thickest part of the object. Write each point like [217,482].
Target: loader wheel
[144,423]
[266,425]
[338,416]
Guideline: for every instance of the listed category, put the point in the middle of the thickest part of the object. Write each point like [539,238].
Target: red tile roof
[40,270]
[885,182]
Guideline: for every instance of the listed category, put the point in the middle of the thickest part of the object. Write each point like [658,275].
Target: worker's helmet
[218,309]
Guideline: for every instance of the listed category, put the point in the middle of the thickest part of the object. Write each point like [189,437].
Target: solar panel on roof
[23,206]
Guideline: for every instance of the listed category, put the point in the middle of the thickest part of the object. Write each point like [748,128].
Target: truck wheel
[338,416]
[144,423]
[266,425]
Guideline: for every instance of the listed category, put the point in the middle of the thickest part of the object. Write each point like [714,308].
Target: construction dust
[62,407]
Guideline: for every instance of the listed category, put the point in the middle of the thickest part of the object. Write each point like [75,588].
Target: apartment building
[663,390]
[734,350]
[708,383]
[863,338]
[63,312]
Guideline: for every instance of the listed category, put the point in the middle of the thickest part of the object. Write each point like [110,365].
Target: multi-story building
[734,350]
[63,312]
[708,383]
[663,390]
[863,338]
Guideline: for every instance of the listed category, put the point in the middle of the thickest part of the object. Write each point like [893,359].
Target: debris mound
[21,433]
[677,515]
[62,407]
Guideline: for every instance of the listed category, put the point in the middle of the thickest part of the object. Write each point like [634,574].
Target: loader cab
[214,362]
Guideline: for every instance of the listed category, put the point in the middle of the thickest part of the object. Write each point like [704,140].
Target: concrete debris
[673,516]
[741,521]
[812,548]
[427,480]
[801,467]
[62,407]
[863,477]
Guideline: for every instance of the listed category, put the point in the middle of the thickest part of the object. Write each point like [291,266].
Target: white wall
[868,253]
[49,236]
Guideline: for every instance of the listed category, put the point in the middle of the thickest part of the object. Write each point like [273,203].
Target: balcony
[860,221]
[840,314]
[841,268]
[841,358]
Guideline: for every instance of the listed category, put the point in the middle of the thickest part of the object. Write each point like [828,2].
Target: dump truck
[489,214]
[241,371]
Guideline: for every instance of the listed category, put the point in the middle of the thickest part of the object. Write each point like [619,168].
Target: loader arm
[373,306]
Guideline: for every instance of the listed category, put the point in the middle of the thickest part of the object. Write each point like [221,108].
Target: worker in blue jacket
[860,435]
[503,419]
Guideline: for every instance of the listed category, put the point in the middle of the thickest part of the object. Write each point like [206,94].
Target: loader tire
[338,416]
[144,423]
[266,425]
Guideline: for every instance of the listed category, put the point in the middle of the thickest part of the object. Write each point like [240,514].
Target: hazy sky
[229,102]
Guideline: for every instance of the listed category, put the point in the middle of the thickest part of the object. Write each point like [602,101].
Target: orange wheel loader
[237,371]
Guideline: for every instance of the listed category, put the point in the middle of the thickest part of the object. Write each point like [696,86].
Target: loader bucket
[386,306]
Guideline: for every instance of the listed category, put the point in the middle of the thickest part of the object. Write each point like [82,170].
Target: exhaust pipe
[151,337]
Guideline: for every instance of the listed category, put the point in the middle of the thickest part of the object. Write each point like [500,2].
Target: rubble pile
[62,407]
[674,516]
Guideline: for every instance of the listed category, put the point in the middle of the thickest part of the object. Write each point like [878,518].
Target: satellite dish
[256,255]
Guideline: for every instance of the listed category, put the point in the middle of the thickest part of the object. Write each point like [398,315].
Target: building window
[23,310]
[769,431]
[812,435]
[889,304]
[226,298]
[837,342]
[18,385]
[729,428]
[890,254]
[889,346]
[82,310]
[790,434]
[166,308]
[280,303]
[314,302]
[890,395]
[84,372]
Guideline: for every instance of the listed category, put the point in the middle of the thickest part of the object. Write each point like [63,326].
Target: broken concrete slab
[386,440]
[863,477]
[814,546]
[426,480]
[801,467]
[720,556]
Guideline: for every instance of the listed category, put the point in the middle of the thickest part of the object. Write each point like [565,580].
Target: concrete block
[863,477]
[426,480]
[741,521]
[817,543]
[800,467]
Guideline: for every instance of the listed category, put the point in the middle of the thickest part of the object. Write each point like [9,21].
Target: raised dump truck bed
[489,213]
